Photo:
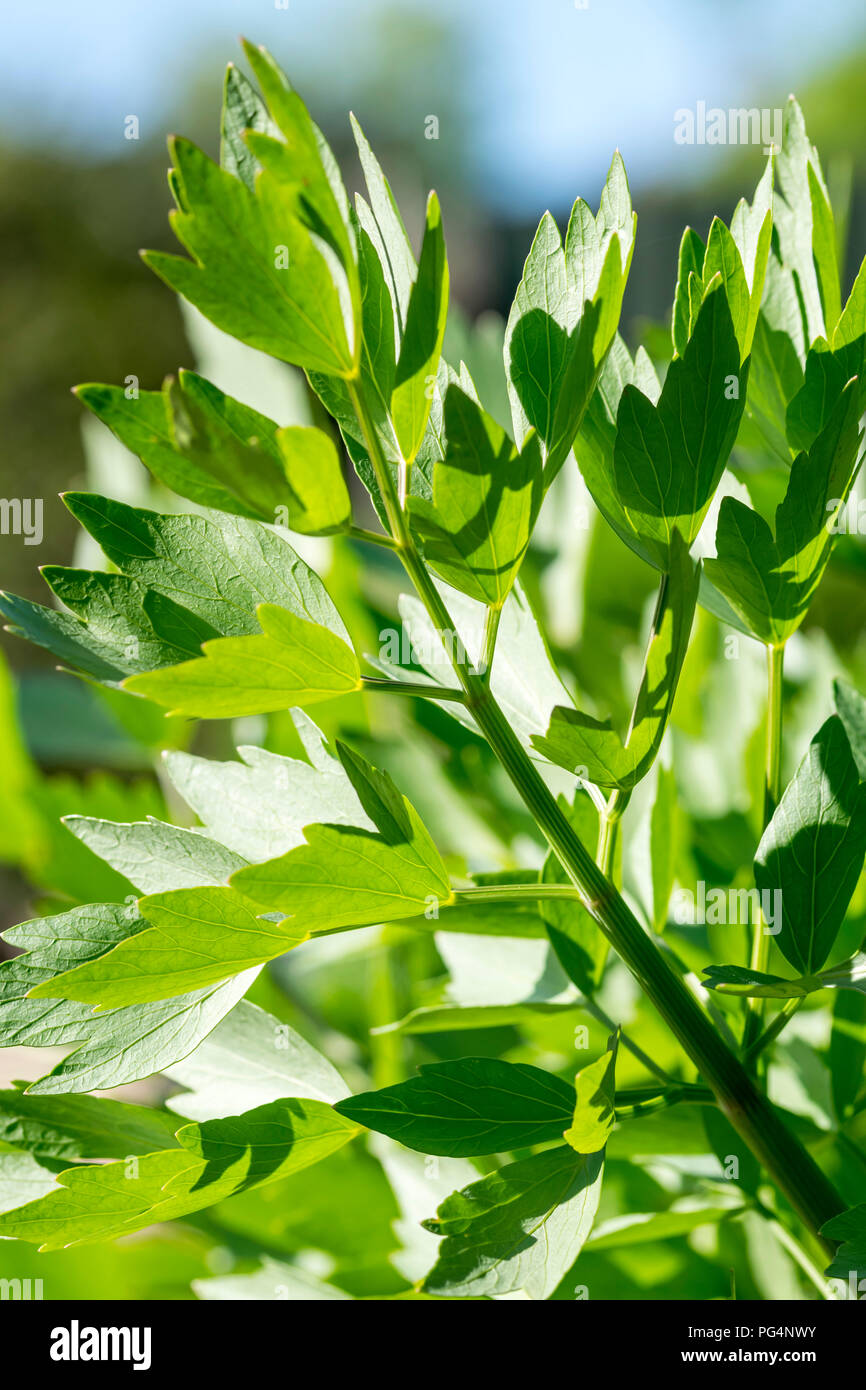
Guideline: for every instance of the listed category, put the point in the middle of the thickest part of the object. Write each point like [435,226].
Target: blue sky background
[543,82]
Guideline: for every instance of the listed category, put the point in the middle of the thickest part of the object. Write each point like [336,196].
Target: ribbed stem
[793,1170]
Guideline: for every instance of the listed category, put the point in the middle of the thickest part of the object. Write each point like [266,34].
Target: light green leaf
[242,110]
[292,662]
[346,876]
[249,1059]
[320,501]
[477,1105]
[756,984]
[577,741]
[112,1048]
[193,937]
[258,807]
[520,1228]
[812,850]
[197,441]
[421,343]
[257,271]
[769,580]
[594,1106]
[564,318]
[218,567]
[156,857]
[82,1126]
[215,1160]
[486,497]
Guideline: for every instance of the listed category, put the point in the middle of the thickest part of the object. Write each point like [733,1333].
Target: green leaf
[769,580]
[292,662]
[846,1056]
[520,1228]
[850,1229]
[82,1126]
[156,857]
[812,850]
[199,442]
[422,337]
[192,937]
[668,458]
[486,497]
[123,628]
[690,262]
[478,1105]
[577,741]
[346,876]
[803,222]
[594,1106]
[756,984]
[386,229]
[215,1160]
[23,1179]
[249,1059]
[112,1048]
[242,110]
[218,567]
[258,807]
[564,318]
[320,501]
[851,709]
[257,271]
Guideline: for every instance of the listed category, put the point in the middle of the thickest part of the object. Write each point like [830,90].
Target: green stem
[634,1102]
[360,533]
[786,1160]
[608,831]
[491,627]
[760,954]
[423,689]
[770,1033]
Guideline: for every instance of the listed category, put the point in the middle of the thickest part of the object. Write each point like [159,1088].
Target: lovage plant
[598,1073]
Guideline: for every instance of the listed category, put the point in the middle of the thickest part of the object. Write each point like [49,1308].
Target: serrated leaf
[812,850]
[346,876]
[156,857]
[258,807]
[199,442]
[249,1059]
[577,741]
[422,337]
[242,110]
[292,662]
[191,938]
[218,567]
[116,1047]
[486,496]
[769,579]
[668,458]
[478,1105]
[851,709]
[520,1228]
[257,271]
[564,318]
[215,1160]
